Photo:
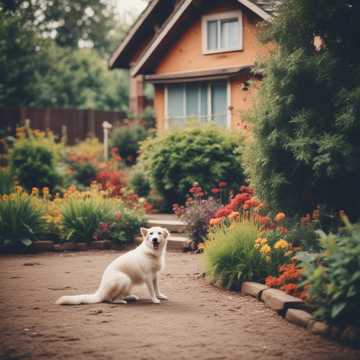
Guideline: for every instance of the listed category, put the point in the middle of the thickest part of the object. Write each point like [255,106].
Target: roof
[270,6]
[263,8]
[211,74]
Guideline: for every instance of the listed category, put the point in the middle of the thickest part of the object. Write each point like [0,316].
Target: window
[222,32]
[205,101]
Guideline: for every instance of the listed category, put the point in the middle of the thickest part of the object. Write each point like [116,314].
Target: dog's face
[155,237]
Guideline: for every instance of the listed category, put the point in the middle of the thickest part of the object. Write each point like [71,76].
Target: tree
[71,23]
[21,61]
[35,71]
[306,148]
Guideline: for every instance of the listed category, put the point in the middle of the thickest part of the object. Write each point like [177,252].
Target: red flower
[223,212]
[215,190]
[223,184]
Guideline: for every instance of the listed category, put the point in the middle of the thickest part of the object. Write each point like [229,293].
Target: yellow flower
[34,191]
[18,189]
[281,244]
[265,249]
[5,197]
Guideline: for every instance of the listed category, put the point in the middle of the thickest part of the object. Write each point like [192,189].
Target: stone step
[175,242]
[174,226]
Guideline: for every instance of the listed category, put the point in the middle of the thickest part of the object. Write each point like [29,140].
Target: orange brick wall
[186,55]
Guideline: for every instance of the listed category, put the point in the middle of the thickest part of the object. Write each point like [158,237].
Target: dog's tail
[80,299]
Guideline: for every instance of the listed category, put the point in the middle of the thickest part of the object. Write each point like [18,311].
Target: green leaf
[26,242]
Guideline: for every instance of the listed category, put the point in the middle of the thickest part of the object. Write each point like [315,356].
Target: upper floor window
[222,32]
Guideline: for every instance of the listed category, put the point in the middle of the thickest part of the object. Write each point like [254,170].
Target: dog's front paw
[162,296]
[156,301]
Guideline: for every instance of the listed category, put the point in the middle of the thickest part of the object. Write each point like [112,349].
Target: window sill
[220,51]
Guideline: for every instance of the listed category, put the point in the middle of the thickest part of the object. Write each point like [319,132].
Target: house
[198,54]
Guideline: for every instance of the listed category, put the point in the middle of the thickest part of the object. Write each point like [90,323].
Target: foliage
[123,228]
[305,143]
[204,154]
[126,139]
[197,213]
[37,72]
[33,161]
[83,161]
[21,61]
[71,23]
[110,180]
[299,233]
[6,181]
[86,215]
[139,182]
[230,255]
[21,219]
[333,276]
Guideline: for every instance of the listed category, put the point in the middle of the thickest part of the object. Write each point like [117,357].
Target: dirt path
[199,321]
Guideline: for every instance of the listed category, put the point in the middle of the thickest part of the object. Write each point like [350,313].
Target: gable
[180,8]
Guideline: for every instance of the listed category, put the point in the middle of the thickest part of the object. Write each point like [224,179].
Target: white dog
[141,265]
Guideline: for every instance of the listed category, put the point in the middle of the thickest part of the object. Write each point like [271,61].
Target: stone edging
[295,311]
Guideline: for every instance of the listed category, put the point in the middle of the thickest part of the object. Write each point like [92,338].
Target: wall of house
[186,55]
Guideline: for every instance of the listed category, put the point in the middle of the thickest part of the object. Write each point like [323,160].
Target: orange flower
[280,217]
[234,215]
[216,221]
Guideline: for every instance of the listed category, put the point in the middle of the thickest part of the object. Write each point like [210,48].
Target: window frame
[209,102]
[220,17]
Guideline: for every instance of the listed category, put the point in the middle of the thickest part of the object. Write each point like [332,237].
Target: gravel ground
[198,322]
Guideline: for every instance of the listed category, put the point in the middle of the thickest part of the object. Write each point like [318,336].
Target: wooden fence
[79,123]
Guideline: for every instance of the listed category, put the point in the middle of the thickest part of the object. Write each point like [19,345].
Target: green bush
[198,153]
[21,219]
[33,163]
[333,277]
[230,255]
[6,181]
[139,182]
[84,172]
[85,219]
[126,139]
[306,122]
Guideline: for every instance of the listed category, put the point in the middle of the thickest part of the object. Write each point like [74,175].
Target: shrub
[83,161]
[90,215]
[6,181]
[139,182]
[196,214]
[21,219]
[126,139]
[231,256]
[111,181]
[180,157]
[306,143]
[333,277]
[123,227]
[33,163]
[84,172]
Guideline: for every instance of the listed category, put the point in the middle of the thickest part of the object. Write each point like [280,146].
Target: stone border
[296,311]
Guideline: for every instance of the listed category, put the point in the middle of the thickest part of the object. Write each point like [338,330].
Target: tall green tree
[36,71]
[306,148]
[71,23]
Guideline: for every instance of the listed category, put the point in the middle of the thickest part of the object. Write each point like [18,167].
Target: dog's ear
[144,232]
[166,233]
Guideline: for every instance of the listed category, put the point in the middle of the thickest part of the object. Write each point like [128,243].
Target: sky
[125,7]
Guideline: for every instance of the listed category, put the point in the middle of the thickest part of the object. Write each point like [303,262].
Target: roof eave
[114,58]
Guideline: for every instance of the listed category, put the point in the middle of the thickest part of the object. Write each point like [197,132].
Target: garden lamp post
[106,126]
